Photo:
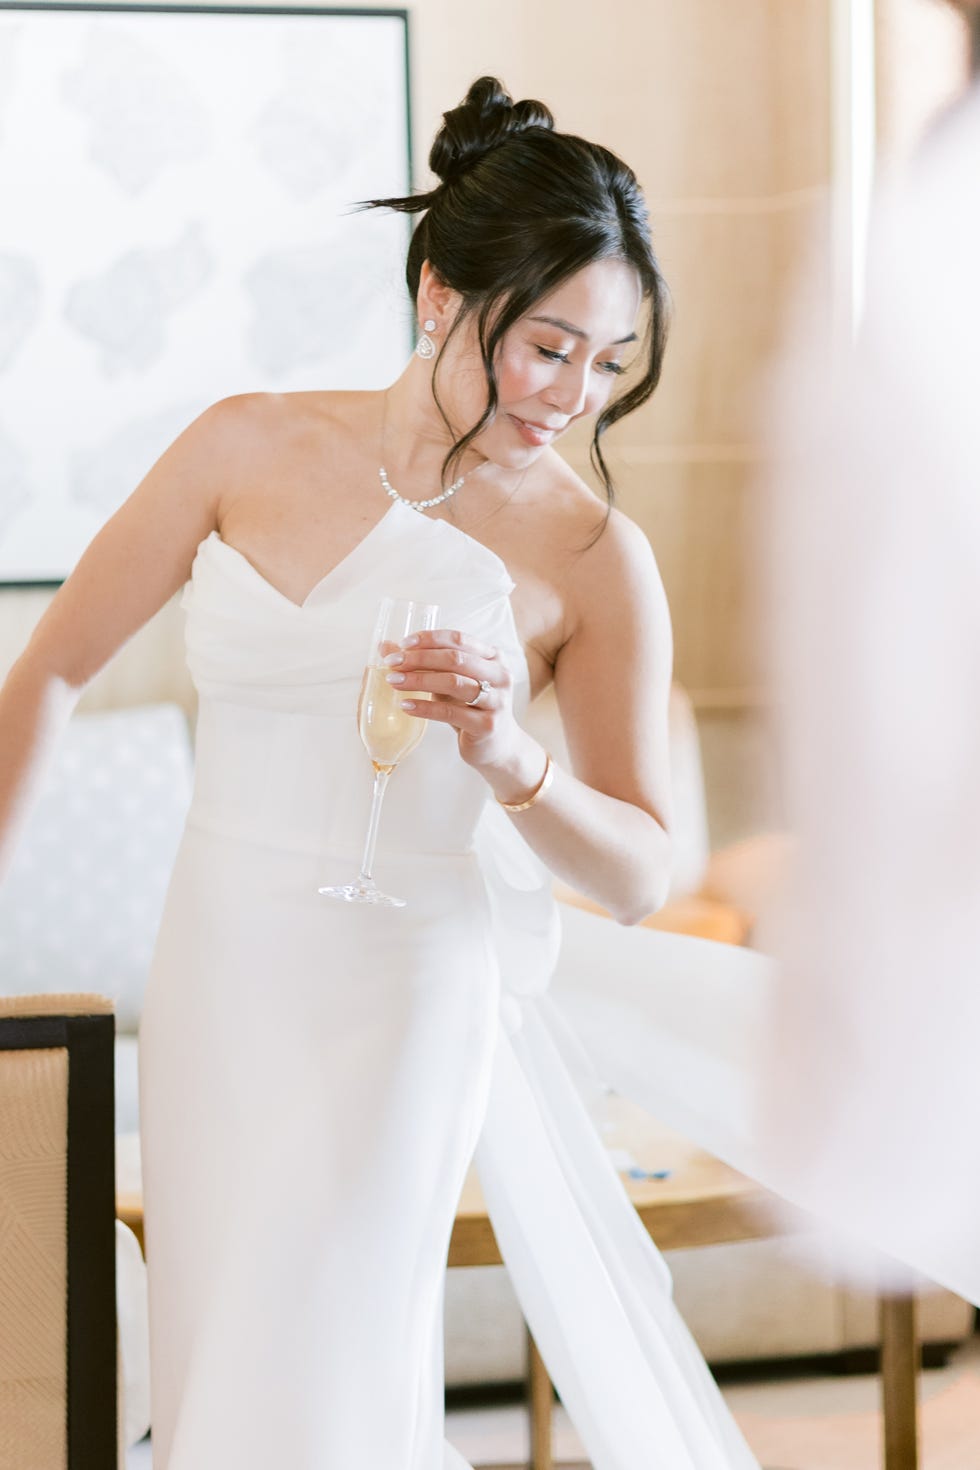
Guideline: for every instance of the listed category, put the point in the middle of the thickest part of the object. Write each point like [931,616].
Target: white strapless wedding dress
[315,1078]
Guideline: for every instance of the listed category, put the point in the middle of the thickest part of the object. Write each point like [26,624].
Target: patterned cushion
[81,903]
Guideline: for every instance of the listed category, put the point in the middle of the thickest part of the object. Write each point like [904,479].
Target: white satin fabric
[315,1078]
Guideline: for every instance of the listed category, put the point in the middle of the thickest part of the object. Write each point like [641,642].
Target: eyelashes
[611,367]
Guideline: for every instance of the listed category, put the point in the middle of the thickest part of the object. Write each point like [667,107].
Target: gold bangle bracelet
[540,789]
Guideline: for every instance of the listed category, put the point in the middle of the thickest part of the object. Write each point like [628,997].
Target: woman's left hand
[471,689]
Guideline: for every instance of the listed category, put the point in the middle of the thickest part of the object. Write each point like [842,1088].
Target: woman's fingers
[456,661]
[445,686]
[450,667]
[450,712]
[448,664]
[447,640]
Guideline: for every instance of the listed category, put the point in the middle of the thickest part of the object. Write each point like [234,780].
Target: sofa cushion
[132,1338]
[127,1090]
[81,903]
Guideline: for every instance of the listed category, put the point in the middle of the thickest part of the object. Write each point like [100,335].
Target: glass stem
[381,775]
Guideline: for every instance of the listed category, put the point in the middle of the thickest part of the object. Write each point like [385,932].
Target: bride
[299,1059]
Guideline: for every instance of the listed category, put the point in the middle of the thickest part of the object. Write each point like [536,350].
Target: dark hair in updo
[520,209]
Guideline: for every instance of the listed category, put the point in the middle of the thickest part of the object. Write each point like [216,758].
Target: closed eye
[612,367]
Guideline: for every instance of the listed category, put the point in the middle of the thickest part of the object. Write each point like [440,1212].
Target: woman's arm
[603,827]
[136,563]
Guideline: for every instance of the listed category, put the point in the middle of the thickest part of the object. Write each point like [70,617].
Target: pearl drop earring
[425,347]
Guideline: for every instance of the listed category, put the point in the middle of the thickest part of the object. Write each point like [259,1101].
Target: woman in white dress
[314,1076]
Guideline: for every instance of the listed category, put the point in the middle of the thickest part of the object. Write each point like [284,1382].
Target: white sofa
[742,1301]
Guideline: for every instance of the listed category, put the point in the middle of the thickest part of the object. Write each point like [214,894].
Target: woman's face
[557,364]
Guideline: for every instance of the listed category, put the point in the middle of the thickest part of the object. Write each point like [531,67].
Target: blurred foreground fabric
[871,1106]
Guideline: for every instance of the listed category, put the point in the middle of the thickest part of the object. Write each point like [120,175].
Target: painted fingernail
[393,658]
[395,678]
[410,641]
[408,704]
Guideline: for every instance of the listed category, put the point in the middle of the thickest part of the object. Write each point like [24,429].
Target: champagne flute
[388,732]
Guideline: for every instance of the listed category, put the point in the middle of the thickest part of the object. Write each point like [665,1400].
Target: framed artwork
[178,224]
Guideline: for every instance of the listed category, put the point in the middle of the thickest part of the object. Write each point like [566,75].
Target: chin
[500,446]
[517,457]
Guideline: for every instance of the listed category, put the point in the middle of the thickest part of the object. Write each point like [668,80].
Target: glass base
[361,892]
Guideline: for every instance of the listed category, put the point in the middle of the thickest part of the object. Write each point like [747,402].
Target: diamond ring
[483,689]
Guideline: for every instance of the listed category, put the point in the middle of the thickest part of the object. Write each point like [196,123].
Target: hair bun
[485,117]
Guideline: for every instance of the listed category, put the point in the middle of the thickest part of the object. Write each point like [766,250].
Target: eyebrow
[555,321]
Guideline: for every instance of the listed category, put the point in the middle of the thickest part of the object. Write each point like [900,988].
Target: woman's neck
[415,438]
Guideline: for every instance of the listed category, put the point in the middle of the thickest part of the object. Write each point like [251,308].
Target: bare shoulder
[278,441]
[344,411]
[263,420]
[246,411]
[229,431]
[263,414]
[610,569]
[613,669]
[622,547]
[144,553]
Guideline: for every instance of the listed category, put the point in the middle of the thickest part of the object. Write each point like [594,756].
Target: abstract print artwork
[178,225]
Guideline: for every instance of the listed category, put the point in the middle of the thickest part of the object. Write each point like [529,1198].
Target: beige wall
[722,110]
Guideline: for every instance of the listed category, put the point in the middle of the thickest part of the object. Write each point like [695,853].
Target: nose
[570,393]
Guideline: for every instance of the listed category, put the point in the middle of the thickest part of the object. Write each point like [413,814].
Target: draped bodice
[279,758]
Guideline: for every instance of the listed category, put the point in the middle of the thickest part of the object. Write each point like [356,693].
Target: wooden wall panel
[699,517]
[731,273]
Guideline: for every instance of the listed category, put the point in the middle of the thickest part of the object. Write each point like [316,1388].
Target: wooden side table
[704,1202]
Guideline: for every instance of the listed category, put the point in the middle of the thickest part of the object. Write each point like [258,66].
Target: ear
[434,298]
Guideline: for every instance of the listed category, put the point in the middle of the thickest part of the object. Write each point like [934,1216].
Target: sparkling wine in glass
[388,732]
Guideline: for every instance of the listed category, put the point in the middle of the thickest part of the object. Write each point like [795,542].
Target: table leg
[899,1381]
[539,1398]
